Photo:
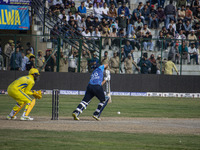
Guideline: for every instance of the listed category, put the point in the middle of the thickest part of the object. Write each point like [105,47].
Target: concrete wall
[120,82]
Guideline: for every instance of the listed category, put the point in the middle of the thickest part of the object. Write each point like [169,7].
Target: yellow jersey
[169,66]
[24,84]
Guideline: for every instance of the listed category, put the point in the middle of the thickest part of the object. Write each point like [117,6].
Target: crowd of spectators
[93,19]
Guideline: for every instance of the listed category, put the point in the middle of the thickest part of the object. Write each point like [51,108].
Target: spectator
[40,61]
[96,35]
[160,65]
[30,47]
[145,11]
[114,2]
[82,25]
[125,9]
[174,53]
[82,10]
[153,17]
[63,65]
[62,14]
[134,40]
[122,22]
[105,37]
[181,13]
[98,11]
[144,64]
[16,60]
[123,55]
[28,53]
[169,66]
[148,42]
[114,63]
[113,11]
[105,59]
[73,62]
[113,40]
[187,27]
[31,63]
[197,15]
[171,30]
[160,15]
[180,4]
[179,25]
[105,11]
[68,16]
[145,29]
[128,48]
[153,64]
[77,17]
[137,13]
[170,13]
[50,61]
[188,14]
[161,41]
[161,3]
[122,35]
[98,1]
[73,8]
[193,52]
[195,4]
[88,22]
[183,51]
[164,31]
[180,37]
[168,41]
[9,48]
[24,61]
[192,38]
[86,55]
[90,10]
[138,24]
[57,2]
[173,25]
[87,3]
[128,64]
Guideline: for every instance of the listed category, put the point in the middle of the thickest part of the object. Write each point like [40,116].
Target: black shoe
[110,48]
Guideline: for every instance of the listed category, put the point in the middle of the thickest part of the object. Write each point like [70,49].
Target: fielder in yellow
[20,90]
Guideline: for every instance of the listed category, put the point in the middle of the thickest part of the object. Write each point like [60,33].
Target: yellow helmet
[33,71]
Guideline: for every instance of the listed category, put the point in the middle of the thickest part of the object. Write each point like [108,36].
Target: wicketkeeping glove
[37,94]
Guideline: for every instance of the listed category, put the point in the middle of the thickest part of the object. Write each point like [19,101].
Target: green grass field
[128,106]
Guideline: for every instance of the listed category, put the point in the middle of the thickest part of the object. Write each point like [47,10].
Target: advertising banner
[15,2]
[14,17]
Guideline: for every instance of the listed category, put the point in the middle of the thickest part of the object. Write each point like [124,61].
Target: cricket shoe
[75,115]
[97,118]
[26,118]
[11,118]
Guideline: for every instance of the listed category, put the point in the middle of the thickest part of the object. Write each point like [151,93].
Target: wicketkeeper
[20,90]
[94,88]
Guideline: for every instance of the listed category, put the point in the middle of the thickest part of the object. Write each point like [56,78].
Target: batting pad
[30,107]
[18,110]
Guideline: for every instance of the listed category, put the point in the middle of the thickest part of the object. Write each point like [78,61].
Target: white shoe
[25,118]
[11,118]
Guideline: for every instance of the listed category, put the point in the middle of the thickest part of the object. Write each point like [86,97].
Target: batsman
[20,90]
[94,88]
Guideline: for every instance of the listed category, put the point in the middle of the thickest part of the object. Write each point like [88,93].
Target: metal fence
[124,55]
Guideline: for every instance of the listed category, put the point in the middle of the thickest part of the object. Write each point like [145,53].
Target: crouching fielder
[94,88]
[20,90]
